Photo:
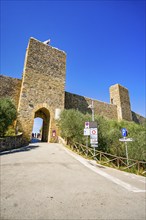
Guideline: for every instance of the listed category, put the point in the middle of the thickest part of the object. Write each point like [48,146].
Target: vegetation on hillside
[109,131]
[8,114]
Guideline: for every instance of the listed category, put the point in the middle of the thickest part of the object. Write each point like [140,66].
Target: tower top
[45,43]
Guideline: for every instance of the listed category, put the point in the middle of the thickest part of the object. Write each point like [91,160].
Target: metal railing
[134,166]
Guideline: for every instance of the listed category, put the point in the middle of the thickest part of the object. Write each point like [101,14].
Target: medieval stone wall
[42,91]
[138,118]
[81,103]
[10,87]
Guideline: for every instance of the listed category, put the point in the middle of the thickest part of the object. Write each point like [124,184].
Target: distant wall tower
[119,96]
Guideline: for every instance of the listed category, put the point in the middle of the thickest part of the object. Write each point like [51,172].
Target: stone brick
[10,88]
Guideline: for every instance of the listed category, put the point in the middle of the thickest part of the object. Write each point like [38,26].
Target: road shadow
[21,149]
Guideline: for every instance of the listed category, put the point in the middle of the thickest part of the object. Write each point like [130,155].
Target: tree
[8,114]
[109,132]
[71,125]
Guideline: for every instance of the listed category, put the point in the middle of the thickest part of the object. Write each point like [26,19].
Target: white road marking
[102,173]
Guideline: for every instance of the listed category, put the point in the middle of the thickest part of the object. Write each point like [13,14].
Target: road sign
[86,131]
[94,145]
[93,141]
[124,132]
[92,124]
[93,133]
[87,124]
[126,139]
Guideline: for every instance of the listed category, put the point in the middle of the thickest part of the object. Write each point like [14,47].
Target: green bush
[8,114]
[10,131]
[71,125]
[137,148]
[109,131]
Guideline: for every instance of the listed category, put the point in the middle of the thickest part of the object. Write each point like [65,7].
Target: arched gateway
[42,89]
[44,114]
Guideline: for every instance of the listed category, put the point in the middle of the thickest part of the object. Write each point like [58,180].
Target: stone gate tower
[42,90]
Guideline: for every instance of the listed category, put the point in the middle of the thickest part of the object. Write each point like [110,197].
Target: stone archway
[45,115]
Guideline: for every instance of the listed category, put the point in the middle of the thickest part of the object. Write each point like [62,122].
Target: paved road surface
[47,181]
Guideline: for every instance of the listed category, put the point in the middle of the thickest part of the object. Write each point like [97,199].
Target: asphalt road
[47,181]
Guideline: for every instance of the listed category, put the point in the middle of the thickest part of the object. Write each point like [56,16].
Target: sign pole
[124,139]
[92,110]
[93,120]
[86,141]
[126,152]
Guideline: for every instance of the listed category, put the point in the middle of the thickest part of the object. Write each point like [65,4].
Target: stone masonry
[42,87]
[81,103]
[10,87]
[42,91]
[119,96]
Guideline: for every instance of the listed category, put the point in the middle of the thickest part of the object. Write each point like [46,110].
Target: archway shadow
[21,149]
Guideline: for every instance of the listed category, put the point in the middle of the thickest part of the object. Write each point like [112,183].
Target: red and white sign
[93,136]
[93,133]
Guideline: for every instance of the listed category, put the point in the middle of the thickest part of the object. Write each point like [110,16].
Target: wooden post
[138,166]
[118,162]
[100,156]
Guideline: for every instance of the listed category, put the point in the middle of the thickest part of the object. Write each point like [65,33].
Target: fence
[138,167]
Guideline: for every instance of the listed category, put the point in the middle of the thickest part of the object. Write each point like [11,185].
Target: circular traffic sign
[94,131]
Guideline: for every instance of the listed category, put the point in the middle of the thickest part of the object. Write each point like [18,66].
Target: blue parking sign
[124,132]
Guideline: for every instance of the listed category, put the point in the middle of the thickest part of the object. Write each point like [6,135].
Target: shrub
[109,131]
[10,131]
[71,125]
[8,114]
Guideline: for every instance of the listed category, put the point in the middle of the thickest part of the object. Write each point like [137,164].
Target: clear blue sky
[104,42]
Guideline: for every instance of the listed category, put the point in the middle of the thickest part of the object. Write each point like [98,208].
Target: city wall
[41,92]
[10,87]
[81,103]
[138,118]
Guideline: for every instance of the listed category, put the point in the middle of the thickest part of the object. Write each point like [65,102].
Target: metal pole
[93,120]
[87,145]
[126,152]
[86,141]
[92,110]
